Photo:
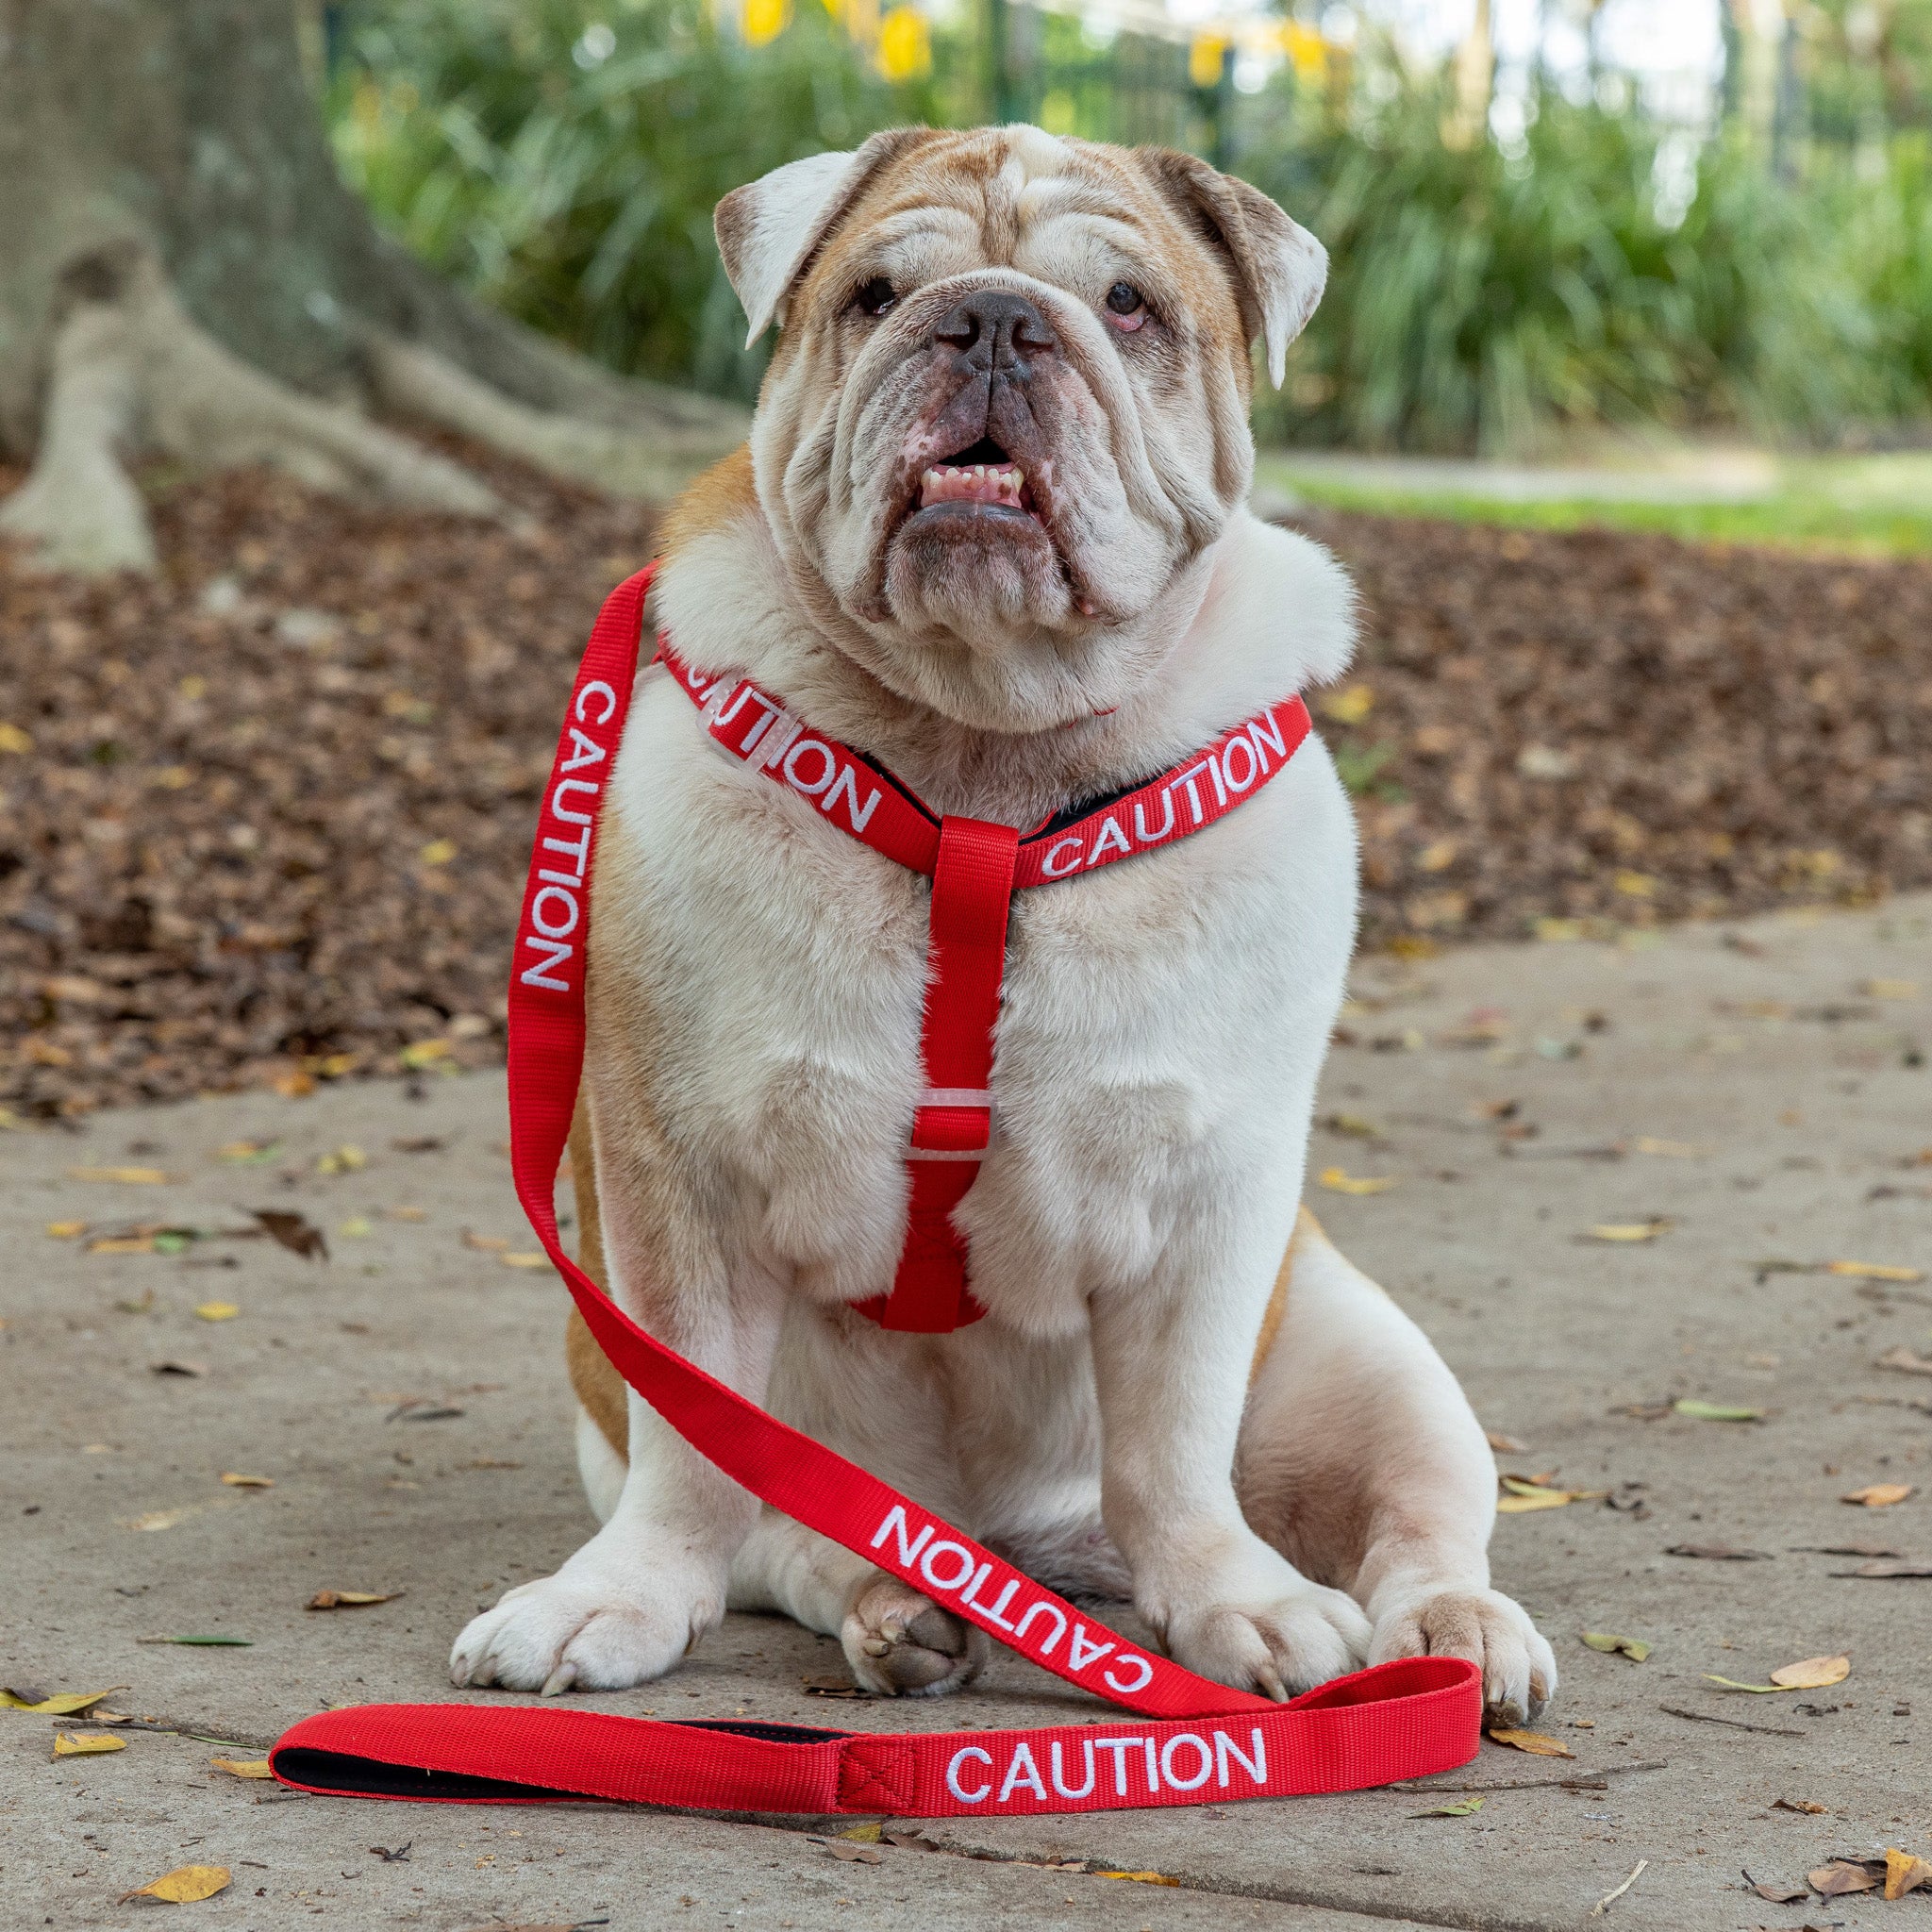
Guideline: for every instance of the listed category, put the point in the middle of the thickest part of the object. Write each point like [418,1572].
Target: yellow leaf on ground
[1350,705]
[14,741]
[242,1767]
[425,1053]
[343,1159]
[1534,1742]
[1628,1230]
[1890,990]
[295,1086]
[1340,1181]
[128,1176]
[1140,1877]
[186,1884]
[216,1311]
[1905,1872]
[485,1244]
[349,1599]
[437,852]
[237,1481]
[1874,1270]
[1813,1674]
[356,1227]
[66,1230]
[88,1744]
[1635,1648]
[61,1704]
[1675,1150]
[1532,1496]
[1879,1495]
[524,1260]
[123,1244]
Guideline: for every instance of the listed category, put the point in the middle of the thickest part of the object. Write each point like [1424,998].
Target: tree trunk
[183,274]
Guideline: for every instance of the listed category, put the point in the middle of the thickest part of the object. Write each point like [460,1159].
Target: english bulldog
[991,530]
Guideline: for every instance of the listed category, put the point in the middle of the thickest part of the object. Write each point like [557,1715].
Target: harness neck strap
[974,866]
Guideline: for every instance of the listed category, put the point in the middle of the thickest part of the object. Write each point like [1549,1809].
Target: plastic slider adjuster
[951,1124]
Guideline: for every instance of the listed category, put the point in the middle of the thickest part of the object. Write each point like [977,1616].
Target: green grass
[1804,513]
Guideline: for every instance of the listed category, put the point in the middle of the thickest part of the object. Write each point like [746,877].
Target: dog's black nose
[993,328]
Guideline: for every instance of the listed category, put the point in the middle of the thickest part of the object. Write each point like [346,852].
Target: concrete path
[1761,1090]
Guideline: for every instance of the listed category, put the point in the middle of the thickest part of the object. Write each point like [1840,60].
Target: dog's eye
[1126,305]
[875,296]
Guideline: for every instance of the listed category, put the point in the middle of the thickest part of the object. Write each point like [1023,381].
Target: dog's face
[1010,404]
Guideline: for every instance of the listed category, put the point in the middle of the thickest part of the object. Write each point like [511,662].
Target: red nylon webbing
[1191,1742]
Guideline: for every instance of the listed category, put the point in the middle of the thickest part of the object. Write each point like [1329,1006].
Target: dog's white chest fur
[1162,1026]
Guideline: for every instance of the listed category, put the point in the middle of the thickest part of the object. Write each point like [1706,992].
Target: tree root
[132,376]
[417,382]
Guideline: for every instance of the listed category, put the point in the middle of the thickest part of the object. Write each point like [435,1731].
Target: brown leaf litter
[240,852]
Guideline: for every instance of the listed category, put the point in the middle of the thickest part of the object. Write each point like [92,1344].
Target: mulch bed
[265,818]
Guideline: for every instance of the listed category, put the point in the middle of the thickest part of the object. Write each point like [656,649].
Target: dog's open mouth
[979,477]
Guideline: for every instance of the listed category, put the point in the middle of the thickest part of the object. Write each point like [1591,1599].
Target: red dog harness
[1189,1740]
[974,866]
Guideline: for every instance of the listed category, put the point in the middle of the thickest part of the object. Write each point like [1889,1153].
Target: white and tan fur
[1264,1455]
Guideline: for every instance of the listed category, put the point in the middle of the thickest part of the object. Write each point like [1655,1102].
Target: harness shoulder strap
[1187,1742]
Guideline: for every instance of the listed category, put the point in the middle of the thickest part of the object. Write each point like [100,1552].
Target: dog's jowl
[989,545]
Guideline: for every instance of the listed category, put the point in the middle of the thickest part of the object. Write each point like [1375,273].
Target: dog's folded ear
[770,229]
[1279,268]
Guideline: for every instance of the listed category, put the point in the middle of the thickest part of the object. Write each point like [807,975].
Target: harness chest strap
[1187,1741]
[974,866]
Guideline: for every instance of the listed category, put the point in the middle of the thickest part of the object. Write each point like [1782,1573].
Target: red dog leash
[1191,1741]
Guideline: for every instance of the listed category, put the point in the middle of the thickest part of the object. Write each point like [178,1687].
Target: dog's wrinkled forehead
[917,205]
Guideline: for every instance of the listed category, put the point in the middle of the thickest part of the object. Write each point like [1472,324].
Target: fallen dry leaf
[121,1244]
[1905,1872]
[1719,1553]
[485,1244]
[1813,1674]
[249,1153]
[1879,1495]
[1842,1876]
[1534,1742]
[1887,1566]
[866,1834]
[244,1767]
[1905,1361]
[1715,1411]
[855,1855]
[1635,1648]
[1809,1673]
[235,1480]
[1140,1877]
[1673,1150]
[58,1704]
[126,1176]
[524,1260]
[1890,989]
[186,1884]
[1466,1807]
[346,1158]
[1776,1893]
[294,1232]
[1874,1270]
[66,1230]
[1804,1804]
[1340,1181]
[87,1744]
[1628,1230]
[1496,1440]
[176,1365]
[216,1311]
[349,1599]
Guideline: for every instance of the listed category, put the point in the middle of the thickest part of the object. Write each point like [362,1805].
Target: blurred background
[347,351]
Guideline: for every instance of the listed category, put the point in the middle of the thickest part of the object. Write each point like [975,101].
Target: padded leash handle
[1189,1741]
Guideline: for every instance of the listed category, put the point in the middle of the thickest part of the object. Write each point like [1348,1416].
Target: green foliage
[1479,299]
[562,158]
[574,187]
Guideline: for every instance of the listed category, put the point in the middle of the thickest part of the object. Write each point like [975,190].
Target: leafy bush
[563,156]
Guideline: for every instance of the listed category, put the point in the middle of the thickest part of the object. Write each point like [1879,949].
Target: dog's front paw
[1280,1647]
[902,1644]
[1490,1629]
[603,1623]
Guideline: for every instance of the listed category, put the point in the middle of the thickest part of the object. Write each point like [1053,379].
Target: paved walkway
[1762,1089]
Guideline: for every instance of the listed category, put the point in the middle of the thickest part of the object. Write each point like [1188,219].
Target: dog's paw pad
[902,1644]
